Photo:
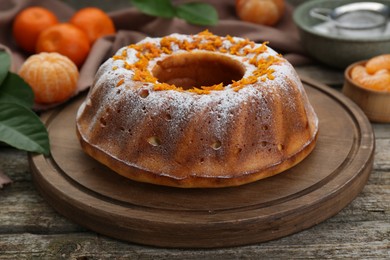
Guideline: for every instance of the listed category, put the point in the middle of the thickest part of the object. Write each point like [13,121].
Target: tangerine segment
[377,63]
[65,39]
[378,81]
[52,77]
[28,25]
[94,22]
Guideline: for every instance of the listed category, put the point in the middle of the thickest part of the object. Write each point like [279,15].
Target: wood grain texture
[316,189]
[361,230]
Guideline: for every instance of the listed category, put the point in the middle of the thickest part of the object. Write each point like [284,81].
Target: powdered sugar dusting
[281,70]
[137,113]
[187,104]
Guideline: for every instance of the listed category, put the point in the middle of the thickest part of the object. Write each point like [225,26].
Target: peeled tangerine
[52,76]
[375,74]
[378,63]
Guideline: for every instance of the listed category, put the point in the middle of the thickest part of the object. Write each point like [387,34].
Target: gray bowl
[337,51]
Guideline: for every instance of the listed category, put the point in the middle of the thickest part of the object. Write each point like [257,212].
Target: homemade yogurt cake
[197,111]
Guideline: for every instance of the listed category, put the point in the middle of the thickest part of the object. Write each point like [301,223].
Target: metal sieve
[355,18]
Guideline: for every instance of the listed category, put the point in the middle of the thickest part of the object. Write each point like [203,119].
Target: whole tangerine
[94,22]
[28,25]
[52,77]
[265,12]
[65,39]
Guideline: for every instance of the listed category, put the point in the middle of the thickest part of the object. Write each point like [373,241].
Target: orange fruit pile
[37,29]
[59,48]
[375,74]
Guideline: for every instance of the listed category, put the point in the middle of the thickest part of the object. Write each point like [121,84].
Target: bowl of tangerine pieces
[367,83]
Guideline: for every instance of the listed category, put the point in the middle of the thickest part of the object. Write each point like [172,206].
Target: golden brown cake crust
[136,174]
[197,111]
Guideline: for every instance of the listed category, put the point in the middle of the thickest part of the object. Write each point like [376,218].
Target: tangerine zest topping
[204,41]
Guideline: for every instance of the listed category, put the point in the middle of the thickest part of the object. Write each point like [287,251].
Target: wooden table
[30,228]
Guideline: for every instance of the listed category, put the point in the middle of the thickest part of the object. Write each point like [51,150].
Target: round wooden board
[90,194]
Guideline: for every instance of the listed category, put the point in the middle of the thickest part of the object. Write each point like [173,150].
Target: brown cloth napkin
[132,26]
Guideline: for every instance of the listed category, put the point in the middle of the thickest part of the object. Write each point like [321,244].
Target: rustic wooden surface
[30,228]
[316,189]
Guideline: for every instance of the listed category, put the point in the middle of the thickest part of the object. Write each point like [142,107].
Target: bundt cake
[197,111]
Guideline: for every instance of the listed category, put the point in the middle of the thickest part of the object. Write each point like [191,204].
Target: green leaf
[161,8]
[15,90]
[5,64]
[197,13]
[21,128]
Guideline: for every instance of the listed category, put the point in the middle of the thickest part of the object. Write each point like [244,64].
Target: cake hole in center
[188,70]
